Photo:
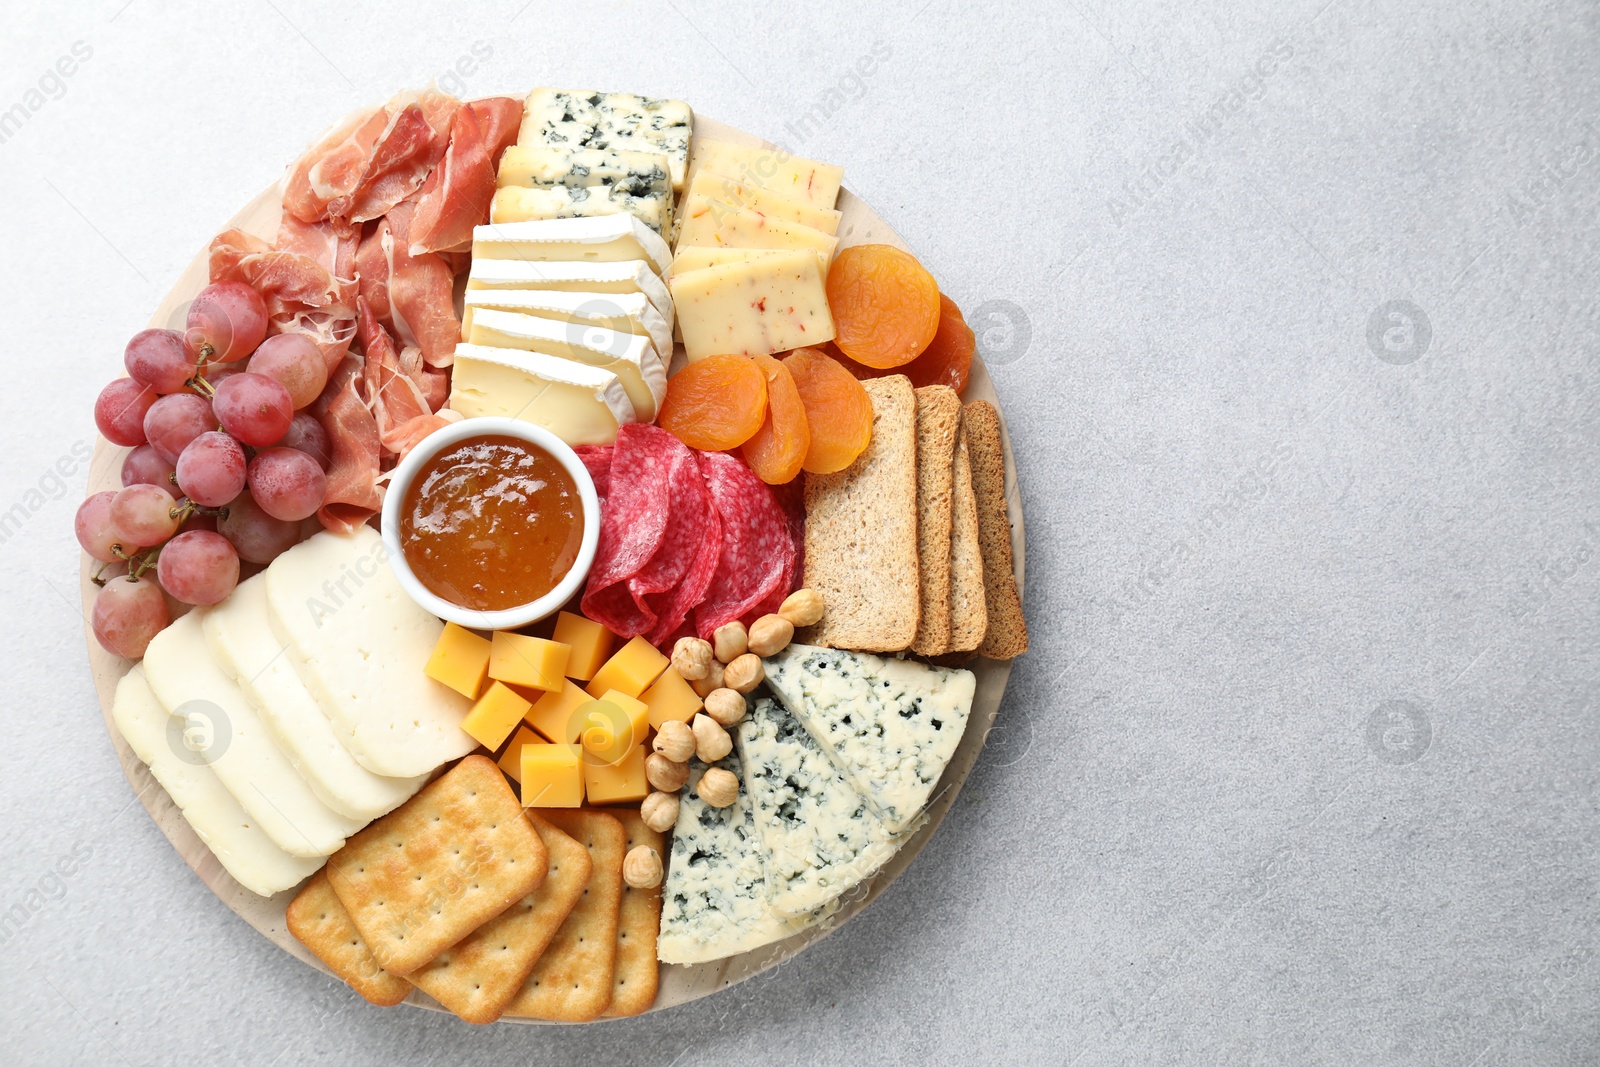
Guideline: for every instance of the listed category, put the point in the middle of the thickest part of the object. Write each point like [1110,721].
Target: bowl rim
[405,473]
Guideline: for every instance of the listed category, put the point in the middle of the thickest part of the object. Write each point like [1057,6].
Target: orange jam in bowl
[491,522]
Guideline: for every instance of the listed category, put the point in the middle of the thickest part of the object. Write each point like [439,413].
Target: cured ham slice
[412,296]
[391,383]
[353,494]
[333,167]
[457,194]
[302,294]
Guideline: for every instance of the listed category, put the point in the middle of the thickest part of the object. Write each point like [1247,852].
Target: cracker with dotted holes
[320,923]
[438,867]
[638,924]
[477,978]
[572,981]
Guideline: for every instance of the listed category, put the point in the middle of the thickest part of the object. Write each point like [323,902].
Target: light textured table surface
[1292,309]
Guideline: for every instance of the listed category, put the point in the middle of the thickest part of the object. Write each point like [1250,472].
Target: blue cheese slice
[821,836]
[714,900]
[890,725]
[637,173]
[614,122]
[515,203]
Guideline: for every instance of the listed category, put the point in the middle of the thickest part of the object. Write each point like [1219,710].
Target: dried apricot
[779,448]
[838,410]
[715,403]
[885,305]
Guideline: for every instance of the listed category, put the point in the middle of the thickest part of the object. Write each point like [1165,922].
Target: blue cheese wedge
[515,203]
[821,836]
[636,173]
[890,725]
[614,122]
[714,900]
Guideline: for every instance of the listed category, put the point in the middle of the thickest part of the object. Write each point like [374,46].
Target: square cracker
[861,533]
[572,981]
[477,977]
[638,973]
[320,923]
[969,618]
[1007,633]
[938,424]
[438,867]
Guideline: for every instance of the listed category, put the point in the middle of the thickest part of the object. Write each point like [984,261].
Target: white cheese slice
[627,312]
[618,122]
[700,257]
[714,899]
[245,851]
[515,203]
[771,168]
[821,836]
[630,357]
[240,637]
[602,239]
[709,188]
[736,227]
[890,725]
[359,644]
[758,307]
[187,681]
[581,405]
[624,276]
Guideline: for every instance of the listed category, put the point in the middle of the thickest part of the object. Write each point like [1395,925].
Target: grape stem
[139,565]
[200,385]
[98,577]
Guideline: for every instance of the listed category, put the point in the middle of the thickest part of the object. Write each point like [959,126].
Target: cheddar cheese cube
[495,715]
[671,698]
[552,776]
[590,643]
[622,782]
[533,662]
[630,671]
[555,714]
[511,759]
[460,660]
[636,717]
[608,728]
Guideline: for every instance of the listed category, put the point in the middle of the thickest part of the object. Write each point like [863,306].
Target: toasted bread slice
[938,423]
[969,618]
[861,533]
[1007,633]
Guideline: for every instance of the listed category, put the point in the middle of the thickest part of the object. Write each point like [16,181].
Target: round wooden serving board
[679,984]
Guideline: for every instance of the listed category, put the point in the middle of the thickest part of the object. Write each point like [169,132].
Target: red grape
[211,470]
[159,359]
[254,408]
[127,613]
[305,434]
[143,515]
[144,466]
[120,411]
[92,524]
[198,567]
[287,484]
[255,535]
[295,362]
[226,322]
[173,421]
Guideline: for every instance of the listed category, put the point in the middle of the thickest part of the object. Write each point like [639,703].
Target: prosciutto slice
[412,296]
[353,494]
[391,383]
[457,194]
[333,167]
[302,294]
[406,152]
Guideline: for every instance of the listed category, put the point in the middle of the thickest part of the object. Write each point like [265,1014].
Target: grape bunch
[225,463]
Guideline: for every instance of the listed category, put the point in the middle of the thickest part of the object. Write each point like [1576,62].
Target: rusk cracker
[573,979]
[320,923]
[938,425]
[639,923]
[969,618]
[861,533]
[444,863]
[1007,633]
[479,976]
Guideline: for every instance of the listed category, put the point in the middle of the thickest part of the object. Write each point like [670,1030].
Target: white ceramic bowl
[432,445]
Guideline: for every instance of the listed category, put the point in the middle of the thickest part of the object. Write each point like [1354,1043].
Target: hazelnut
[803,607]
[659,811]
[691,656]
[770,635]
[641,868]
[725,706]
[730,641]
[718,787]
[712,680]
[675,741]
[744,673]
[711,742]
[664,774]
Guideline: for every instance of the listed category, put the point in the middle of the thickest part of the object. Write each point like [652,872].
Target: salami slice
[757,547]
[632,524]
[597,460]
[703,548]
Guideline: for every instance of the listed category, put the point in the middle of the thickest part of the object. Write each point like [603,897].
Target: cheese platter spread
[566,562]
